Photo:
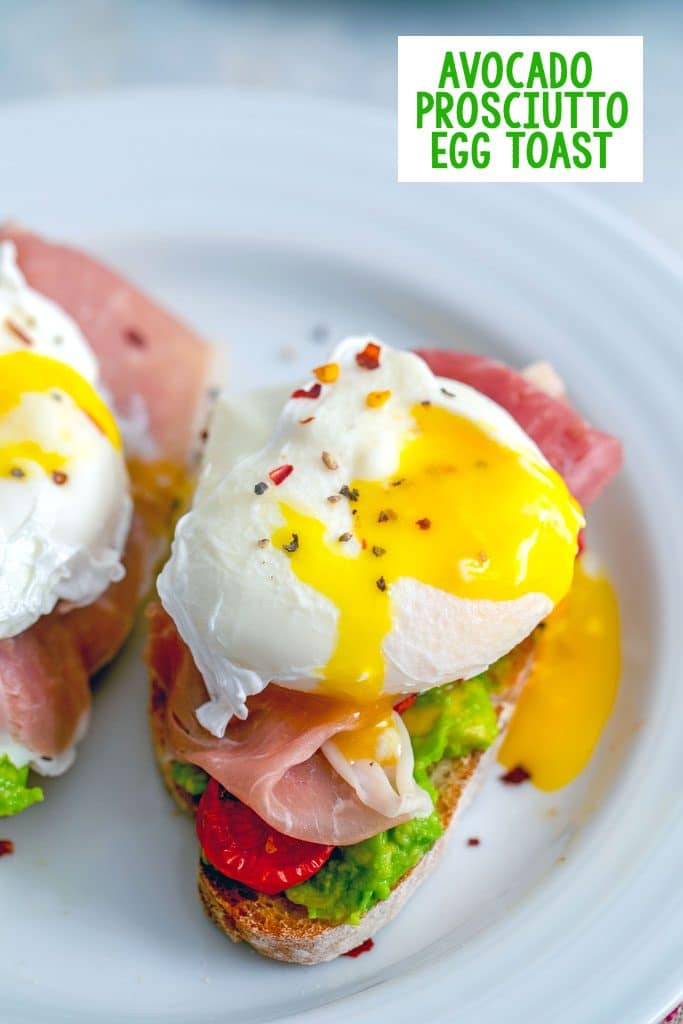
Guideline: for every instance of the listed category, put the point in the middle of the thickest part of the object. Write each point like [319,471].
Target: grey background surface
[344,50]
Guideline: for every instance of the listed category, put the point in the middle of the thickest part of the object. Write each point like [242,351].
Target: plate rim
[643,244]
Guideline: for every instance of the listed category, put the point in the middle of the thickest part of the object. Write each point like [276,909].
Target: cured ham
[147,359]
[272,761]
[586,458]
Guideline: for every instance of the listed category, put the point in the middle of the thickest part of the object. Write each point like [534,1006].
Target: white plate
[260,218]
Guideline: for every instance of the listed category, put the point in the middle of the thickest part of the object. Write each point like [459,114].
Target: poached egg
[387,532]
[65,507]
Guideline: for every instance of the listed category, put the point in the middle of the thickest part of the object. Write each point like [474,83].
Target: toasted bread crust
[282,930]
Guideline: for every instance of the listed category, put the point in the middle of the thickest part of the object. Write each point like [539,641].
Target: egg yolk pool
[464,514]
[573,685]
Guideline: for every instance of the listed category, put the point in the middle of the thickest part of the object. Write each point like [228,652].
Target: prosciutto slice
[586,458]
[146,357]
[272,760]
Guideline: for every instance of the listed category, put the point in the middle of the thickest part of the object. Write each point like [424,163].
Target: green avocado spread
[356,877]
[191,778]
[15,795]
[446,722]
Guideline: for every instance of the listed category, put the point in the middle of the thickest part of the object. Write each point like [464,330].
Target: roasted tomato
[242,846]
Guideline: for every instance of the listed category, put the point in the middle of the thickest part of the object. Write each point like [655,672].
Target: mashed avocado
[189,777]
[448,721]
[15,795]
[356,877]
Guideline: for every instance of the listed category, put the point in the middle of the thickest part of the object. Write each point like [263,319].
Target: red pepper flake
[368,359]
[473,841]
[59,478]
[18,332]
[280,473]
[134,337]
[6,847]
[312,392]
[364,947]
[424,524]
[515,776]
[406,703]
[581,542]
[309,419]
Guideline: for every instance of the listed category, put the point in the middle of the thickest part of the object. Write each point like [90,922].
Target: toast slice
[282,930]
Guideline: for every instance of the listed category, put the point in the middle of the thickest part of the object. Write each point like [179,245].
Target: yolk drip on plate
[24,373]
[463,513]
[568,698]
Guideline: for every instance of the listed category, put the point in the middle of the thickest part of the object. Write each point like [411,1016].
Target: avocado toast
[280,926]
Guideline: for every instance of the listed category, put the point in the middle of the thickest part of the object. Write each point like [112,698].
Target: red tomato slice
[406,703]
[242,846]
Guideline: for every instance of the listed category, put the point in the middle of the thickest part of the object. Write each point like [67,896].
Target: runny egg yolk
[374,736]
[464,514]
[24,373]
[573,685]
